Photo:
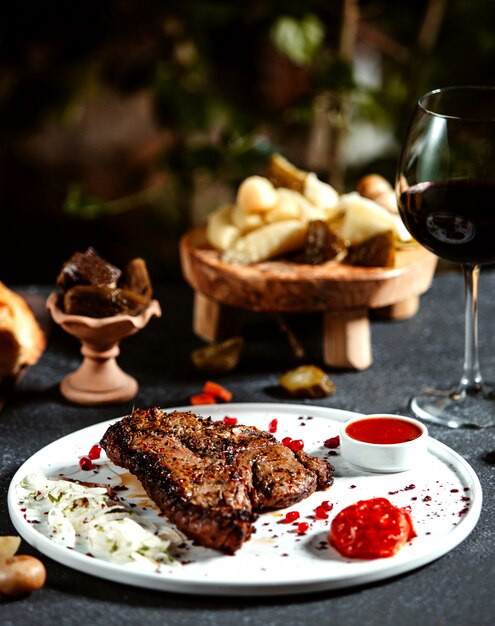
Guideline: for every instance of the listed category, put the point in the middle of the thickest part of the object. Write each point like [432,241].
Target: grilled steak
[210,478]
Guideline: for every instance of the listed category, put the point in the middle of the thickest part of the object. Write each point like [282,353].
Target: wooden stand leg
[213,321]
[347,339]
[400,310]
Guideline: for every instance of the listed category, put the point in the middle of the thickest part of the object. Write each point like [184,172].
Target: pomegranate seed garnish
[272,426]
[296,444]
[321,513]
[333,442]
[86,464]
[230,421]
[327,506]
[95,452]
[291,516]
[293,444]
[302,527]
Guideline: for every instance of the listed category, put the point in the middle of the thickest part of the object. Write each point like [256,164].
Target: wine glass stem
[471,381]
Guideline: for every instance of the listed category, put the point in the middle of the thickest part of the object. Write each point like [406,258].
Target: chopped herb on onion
[87,518]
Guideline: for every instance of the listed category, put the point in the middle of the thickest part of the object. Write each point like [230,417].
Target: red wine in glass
[445,188]
[455,219]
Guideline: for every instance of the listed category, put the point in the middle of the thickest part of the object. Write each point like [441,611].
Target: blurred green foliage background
[123,123]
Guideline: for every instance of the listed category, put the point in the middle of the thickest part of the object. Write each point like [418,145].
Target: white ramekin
[384,458]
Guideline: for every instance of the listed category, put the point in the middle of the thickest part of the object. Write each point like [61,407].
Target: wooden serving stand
[345,294]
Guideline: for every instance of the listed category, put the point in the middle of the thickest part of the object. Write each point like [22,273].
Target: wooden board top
[282,285]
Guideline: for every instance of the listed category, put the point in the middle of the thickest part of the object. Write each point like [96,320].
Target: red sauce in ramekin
[383,430]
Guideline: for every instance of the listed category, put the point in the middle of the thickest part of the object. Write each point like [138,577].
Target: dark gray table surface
[458,588]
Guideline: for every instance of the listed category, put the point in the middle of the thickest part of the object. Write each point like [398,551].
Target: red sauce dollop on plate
[371,529]
[383,430]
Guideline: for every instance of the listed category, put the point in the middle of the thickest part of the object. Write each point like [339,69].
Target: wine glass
[445,189]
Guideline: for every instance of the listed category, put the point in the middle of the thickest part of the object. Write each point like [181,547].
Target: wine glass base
[456,409]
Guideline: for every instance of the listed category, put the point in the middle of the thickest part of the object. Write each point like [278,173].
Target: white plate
[444,496]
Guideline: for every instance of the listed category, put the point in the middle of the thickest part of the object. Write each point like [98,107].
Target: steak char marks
[209,478]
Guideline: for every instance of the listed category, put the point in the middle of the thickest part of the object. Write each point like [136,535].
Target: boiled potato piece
[310,212]
[245,221]
[364,219]
[256,194]
[320,194]
[286,208]
[291,205]
[267,242]
[220,231]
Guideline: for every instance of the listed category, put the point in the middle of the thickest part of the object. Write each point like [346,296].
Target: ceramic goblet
[99,379]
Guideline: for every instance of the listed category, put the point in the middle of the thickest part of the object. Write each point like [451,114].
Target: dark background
[123,123]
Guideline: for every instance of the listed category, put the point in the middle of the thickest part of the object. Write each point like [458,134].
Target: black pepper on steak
[212,479]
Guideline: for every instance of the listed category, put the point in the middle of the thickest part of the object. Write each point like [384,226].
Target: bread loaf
[22,340]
